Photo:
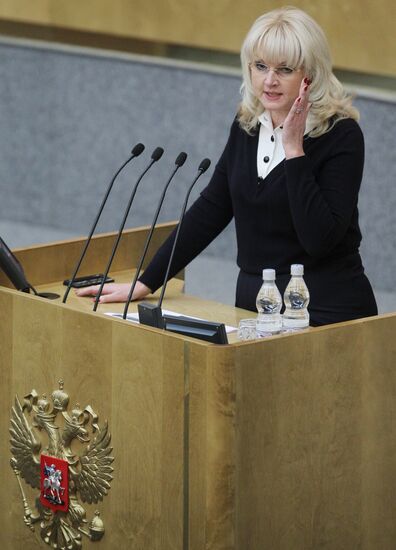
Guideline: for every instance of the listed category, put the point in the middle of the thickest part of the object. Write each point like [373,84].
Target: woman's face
[276,87]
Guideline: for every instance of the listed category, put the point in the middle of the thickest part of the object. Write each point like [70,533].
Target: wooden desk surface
[175,300]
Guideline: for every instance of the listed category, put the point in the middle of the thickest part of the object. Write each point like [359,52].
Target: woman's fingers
[298,107]
[88,290]
[109,289]
[120,295]
[294,125]
[301,102]
[113,292]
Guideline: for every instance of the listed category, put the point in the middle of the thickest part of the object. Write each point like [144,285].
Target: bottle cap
[297,269]
[269,274]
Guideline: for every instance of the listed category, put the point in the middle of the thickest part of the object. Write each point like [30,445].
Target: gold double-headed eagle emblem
[63,478]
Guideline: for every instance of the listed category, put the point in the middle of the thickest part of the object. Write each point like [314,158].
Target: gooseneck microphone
[181,159]
[156,155]
[136,151]
[150,314]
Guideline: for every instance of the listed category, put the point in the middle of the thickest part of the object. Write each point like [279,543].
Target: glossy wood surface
[316,456]
[54,262]
[279,443]
[139,393]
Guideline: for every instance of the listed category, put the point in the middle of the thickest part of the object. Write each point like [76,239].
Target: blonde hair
[289,35]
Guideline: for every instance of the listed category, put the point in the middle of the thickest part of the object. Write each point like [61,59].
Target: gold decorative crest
[89,475]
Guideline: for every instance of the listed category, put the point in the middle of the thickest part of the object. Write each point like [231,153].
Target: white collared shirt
[270,150]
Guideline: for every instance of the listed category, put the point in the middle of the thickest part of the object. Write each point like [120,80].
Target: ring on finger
[298,111]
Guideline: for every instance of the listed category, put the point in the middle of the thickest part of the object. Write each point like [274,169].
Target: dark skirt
[333,299]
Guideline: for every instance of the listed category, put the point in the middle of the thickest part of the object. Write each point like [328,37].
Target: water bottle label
[297,300]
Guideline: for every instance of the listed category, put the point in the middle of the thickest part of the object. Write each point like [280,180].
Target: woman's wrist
[141,290]
[291,154]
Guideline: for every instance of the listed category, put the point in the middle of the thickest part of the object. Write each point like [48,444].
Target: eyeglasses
[281,72]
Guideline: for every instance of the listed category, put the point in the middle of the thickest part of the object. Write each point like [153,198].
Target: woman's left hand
[294,124]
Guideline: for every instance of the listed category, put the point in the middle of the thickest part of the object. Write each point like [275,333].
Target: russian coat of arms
[63,478]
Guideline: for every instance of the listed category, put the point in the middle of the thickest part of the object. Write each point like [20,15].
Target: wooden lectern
[286,443]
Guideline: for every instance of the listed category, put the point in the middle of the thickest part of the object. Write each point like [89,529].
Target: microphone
[150,314]
[181,159]
[136,151]
[156,155]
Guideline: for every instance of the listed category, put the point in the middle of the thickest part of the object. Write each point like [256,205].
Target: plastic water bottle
[268,303]
[296,300]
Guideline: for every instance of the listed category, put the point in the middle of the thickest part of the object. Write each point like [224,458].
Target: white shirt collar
[266,121]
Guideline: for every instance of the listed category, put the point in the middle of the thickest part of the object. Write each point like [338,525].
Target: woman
[290,176]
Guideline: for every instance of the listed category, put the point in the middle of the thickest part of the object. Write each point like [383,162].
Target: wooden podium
[286,443]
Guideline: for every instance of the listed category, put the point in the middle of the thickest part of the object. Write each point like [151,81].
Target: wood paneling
[54,262]
[132,378]
[316,455]
[360,33]
[286,442]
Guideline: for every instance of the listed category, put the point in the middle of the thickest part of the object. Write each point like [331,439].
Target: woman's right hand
[294,123]
[114,292]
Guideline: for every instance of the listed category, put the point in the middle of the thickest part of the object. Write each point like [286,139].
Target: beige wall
[360,31]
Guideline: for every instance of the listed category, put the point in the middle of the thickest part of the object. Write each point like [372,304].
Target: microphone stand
[150,314]
[181,159]
[136,151]
[156,155]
